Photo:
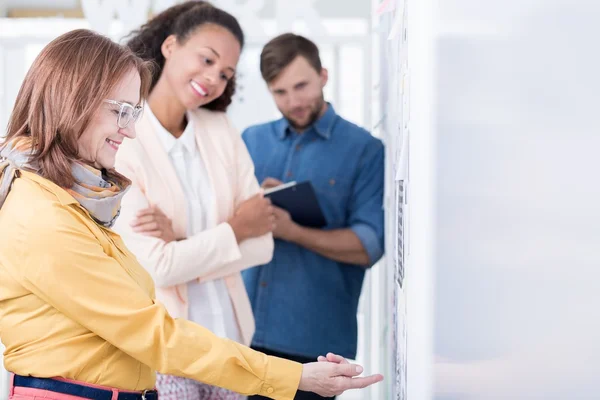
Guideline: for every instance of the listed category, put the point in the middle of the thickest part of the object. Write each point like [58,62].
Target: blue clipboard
[300,200]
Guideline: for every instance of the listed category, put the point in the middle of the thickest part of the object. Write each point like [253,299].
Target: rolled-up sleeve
[366,203]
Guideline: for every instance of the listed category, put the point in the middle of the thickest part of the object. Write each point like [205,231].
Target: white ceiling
[326,8]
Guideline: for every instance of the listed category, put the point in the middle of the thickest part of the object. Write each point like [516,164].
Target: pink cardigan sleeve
[211,254]
[255,251]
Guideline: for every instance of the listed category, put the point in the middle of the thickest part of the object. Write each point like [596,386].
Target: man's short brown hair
[282,50]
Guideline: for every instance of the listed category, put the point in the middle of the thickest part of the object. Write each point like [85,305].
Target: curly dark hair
[182,20]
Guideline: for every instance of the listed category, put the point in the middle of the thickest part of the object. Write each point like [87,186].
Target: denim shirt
[305,304]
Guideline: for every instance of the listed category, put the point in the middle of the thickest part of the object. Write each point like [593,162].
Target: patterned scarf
[100,193]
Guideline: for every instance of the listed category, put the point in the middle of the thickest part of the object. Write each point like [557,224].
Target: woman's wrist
[238,229]
[303,384]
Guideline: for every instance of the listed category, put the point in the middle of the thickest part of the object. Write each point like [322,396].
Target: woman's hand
[334,358]
[153,222]
[333,375]
[254,217]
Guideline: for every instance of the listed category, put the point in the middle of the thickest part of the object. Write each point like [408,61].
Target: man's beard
[313,117]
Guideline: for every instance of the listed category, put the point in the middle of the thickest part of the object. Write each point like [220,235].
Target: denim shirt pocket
[333,191]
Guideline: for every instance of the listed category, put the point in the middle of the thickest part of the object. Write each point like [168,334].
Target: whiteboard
[394,126]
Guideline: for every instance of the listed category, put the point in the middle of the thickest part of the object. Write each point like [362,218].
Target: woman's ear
[168,46]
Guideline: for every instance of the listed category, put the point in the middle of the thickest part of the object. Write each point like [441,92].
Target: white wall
[326,8]
[517,293]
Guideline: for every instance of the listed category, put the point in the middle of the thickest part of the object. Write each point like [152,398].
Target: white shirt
[209,302]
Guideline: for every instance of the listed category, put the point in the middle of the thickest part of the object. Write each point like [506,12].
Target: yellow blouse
[75,303]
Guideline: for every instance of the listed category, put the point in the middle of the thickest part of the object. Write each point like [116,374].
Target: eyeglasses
[127,113]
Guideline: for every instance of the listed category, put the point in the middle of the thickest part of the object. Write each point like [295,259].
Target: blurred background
[516,271]
[489,287]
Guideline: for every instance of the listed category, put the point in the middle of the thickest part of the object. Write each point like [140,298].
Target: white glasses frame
[136,112]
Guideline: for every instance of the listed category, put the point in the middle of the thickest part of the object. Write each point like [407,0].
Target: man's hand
[284,226]
[269,183]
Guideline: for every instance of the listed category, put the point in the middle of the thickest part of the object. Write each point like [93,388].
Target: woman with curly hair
[195,216]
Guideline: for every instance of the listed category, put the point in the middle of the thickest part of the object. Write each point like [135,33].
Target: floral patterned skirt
[175,388]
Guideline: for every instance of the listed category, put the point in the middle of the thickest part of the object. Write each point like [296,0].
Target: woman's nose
[128,131]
